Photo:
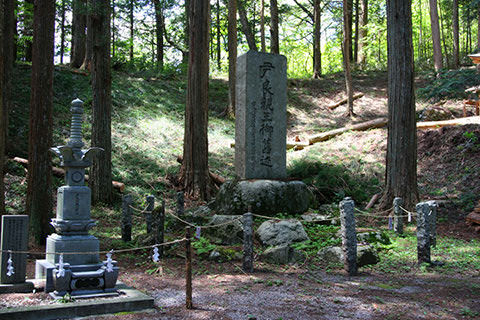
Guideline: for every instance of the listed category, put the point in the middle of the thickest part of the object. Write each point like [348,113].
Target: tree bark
[357,24]
[274,41]
[160,26]
[232,54]
[185,53]
[28,31]
[346,55]
[195,175]
[262,27]
[401,163]
[456,41]
[39,193]
[437,46]
[219,57]
[87,61]
[62,31]
[317,53]
[9,54]
[362,34]
[246,27]
[79,23]
[132,26]
[101,171]
[2,110]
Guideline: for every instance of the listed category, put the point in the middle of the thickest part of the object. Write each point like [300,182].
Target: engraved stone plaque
[14,237]
[261,116]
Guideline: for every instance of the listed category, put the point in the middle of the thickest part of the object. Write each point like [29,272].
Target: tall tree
[159,29]
[346,55]
[62,30]
[195,174]
[274,41]
[219,34]
[246,27]
[456,40]
[262,27]
[131,9]
[9,54]
[79,23]
[317,53]
[28,28]
[114,28]
[401,168]
[2,112]
[357,25]
[232,54]
[362,34]
[39,192]
[437,46]
[101,172]
[87,61]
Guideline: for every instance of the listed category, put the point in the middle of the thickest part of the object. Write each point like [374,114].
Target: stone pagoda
[72,263]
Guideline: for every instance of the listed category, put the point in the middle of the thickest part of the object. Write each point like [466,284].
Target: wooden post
[247,242]
[148,213]
[160,238]
[188,267]
[397,211]
[126,218]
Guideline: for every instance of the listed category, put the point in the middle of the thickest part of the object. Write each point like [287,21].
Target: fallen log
[59,172]
[338,104]
[374,199]
[446,123]
[377,123]
[473,217]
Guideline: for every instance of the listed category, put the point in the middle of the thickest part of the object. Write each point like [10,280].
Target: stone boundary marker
[349,235]
[133,300]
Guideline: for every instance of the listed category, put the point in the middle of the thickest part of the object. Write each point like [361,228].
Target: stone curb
[132,300]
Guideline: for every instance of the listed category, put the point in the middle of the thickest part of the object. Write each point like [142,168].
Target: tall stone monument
[261,142]
[261,116]
[80,271]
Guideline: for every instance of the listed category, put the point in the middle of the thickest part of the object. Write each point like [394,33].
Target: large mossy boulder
[281,233]
[265,197]
[366,255]
[228,230]
[282,255]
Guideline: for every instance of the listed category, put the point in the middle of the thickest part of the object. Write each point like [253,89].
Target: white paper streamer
[409,217]
[155,256]
[10,270]
[109,261]
[198,232]
[61,267]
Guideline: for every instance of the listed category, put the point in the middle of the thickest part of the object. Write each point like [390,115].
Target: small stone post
[423,232]
[148,213]
[188,268]
[180,204]
[397,220]
[432,222]
[247,264]
[126,218]
[349,235]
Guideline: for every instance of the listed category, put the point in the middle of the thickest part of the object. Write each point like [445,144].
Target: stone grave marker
[261,116]
[15,238]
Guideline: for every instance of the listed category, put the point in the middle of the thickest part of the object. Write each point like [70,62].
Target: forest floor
[396,288]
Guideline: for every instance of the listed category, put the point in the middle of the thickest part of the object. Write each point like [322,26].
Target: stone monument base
[76,243]
[24,287]
[265,197]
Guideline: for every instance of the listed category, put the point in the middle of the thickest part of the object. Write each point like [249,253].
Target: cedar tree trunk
[246,27]
[437,45]
[232,54]
[362,34]
[274,42]
[456,41]
[195,175]
[346,55]
[39,192]
[79,23]
[159,27]
[101,171]
[317,54]
[401,170]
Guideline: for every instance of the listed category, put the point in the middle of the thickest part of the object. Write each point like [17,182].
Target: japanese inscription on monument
[260,132]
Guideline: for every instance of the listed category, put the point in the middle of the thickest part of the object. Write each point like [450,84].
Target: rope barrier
[99,252]
[139,210]
[375,214]
[279,219]
[409,212]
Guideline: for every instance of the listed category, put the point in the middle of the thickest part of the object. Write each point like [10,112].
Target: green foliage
[333,182]
[449,84]
[203,247]
[320,237]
